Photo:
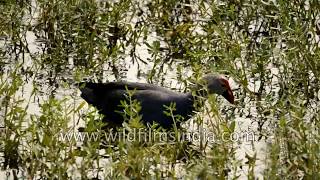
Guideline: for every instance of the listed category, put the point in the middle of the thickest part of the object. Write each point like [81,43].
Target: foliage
[269,48]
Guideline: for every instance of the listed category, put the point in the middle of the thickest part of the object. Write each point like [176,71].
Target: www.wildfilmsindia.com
[143,135]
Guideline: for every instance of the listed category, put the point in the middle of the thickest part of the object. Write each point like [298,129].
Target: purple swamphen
[106,98]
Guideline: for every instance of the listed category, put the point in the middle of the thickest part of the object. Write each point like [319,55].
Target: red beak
[229,96]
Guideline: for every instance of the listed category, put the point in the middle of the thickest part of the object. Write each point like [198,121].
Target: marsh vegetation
[268,49]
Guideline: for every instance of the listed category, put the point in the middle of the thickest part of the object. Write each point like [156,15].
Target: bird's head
[218,84]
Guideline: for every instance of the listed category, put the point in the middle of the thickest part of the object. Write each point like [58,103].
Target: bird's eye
[224,86]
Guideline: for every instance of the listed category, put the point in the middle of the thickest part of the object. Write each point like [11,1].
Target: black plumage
[153,99]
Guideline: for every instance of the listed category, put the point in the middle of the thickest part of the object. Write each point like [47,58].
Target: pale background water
[243,124]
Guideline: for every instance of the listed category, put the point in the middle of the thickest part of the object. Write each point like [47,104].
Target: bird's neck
[201,93]
[197,98]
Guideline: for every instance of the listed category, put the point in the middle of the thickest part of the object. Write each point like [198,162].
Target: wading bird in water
[107,97]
